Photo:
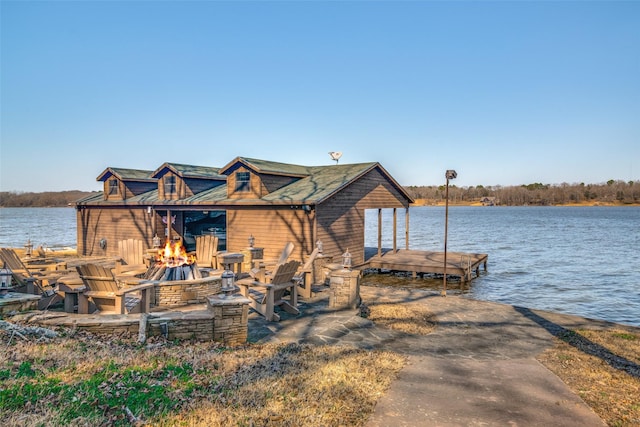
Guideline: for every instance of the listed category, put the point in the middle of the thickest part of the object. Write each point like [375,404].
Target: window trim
[114,187]
[243,185]
[170,185]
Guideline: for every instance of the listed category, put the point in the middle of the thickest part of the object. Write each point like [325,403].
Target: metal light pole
[450,174]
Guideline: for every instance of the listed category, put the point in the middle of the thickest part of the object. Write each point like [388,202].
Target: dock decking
[464,265]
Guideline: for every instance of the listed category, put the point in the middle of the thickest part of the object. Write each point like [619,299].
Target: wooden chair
[207,251]
[132,258]
[39,280]
[264,270]
[265,297]
[302,277]
[37,258]
[107,295]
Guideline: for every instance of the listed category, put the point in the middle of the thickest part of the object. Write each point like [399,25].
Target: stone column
[344,289]
[230,318]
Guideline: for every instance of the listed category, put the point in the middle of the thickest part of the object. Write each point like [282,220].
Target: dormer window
[170,185]
[243,181]
[114,189]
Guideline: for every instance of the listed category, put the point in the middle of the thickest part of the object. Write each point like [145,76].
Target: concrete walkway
[478,367]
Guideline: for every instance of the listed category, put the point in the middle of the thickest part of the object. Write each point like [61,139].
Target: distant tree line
[611,192]
[45,199]
[615,192]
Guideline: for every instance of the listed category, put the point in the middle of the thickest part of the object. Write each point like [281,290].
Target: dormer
[254,179]
[122,184]
[178,181]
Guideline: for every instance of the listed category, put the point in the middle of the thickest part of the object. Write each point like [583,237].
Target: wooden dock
[466,266]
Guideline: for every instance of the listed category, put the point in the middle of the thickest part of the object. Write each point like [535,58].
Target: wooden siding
[341,219]
[180,187]
[112,225]
[126,189]
[255,183]
[272,228]
[106,187]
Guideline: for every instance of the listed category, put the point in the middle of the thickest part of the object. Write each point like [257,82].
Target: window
[114,190]
[170,185]
[243,182]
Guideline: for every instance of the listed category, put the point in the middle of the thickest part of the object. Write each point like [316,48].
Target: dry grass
[404,317]
[603,368]
[92,380]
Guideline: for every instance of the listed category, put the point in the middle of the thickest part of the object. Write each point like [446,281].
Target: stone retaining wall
[225,320]
[15,302]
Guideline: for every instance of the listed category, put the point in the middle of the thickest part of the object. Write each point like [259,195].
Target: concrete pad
[519,392]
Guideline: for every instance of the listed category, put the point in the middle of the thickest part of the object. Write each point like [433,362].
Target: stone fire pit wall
[177,293]
[226,323]
[225,320]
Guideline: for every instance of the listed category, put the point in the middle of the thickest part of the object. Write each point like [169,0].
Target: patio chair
[264,297]
[303,276]
[10,257]
[40,280]
[105,292]
[132,258]
[207,251]
[263,271]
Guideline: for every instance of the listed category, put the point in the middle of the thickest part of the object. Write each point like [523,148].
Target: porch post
[395,230]
[379,231]
[406,228]
[168,236]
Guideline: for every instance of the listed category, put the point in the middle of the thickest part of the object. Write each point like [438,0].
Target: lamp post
[450,174]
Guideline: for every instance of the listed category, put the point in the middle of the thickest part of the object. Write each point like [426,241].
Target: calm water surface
[576,260]
[50,227]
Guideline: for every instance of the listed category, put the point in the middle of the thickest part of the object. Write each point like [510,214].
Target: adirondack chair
[302,277]
[264,271]
[13,261]
[40,280]
[132,258]
[37,258]
[264,297]
[104,291]
[207,251]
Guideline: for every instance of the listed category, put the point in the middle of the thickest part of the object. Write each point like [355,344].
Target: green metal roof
[190,171]
[268,167]
[315,184]
[321,182]
[126,174]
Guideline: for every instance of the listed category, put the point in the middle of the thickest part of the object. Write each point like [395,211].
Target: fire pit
[180,281]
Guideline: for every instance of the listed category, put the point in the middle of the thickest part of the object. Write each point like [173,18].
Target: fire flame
[174,255]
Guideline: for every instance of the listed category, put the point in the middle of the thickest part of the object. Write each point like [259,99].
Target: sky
[504,92]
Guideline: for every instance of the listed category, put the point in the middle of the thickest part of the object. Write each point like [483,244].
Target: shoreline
[428,202]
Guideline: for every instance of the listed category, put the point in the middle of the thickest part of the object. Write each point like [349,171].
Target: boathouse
[271,201]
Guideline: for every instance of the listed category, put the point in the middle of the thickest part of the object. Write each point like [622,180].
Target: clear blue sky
[504,92]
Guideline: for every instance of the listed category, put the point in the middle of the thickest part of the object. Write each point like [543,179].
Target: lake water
[575,260]
[53,228]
